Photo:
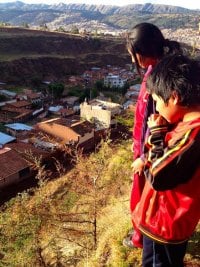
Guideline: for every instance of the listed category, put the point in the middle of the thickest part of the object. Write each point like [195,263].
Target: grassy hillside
[78,219]
[61,218]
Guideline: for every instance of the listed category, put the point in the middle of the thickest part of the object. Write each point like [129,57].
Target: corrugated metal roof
[19,127]
[55,108]
[5,138]
[9,93]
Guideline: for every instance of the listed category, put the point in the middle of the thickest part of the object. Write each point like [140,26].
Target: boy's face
[170,111]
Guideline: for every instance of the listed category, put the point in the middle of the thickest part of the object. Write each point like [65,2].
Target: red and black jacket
[168,210]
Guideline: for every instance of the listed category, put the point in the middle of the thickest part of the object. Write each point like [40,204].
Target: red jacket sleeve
[168,166]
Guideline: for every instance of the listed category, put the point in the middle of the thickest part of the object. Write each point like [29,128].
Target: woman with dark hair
[146,46]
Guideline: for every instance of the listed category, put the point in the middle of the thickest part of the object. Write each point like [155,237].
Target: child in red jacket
[147,46]
[168,210]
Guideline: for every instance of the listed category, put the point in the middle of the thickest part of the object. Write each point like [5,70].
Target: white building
[100,112]
[114,81]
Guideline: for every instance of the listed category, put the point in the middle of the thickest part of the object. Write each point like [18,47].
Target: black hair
[176,73]
[147,40]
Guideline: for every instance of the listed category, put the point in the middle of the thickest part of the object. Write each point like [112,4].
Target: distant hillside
[92,17]
[29,54]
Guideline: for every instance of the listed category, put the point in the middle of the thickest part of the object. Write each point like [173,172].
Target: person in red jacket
[147,47]
[168,210]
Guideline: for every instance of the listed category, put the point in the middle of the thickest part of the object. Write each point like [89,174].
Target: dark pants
[162,255]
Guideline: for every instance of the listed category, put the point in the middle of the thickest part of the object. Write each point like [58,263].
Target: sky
[191,4]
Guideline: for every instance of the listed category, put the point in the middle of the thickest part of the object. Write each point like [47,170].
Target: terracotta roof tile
[23,148]
[65,129]
[11,162]
[20,104]
[34,95]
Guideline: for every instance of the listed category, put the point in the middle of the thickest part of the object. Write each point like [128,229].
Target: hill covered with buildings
[26,55]
[104,18]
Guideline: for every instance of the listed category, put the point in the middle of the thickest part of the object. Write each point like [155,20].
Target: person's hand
[138,166]
[156,120]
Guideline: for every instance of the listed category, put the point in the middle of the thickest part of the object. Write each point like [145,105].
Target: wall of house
[16,133]
[15,177]
[103,116]
[9,180]
[11,131]
[86,137]
[114,81]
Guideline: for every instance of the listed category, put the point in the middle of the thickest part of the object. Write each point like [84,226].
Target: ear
[175,98]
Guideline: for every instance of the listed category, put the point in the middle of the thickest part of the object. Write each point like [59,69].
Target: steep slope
[78,219]
[25,54]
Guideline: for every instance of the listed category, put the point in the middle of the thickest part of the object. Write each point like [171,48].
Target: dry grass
[53,226]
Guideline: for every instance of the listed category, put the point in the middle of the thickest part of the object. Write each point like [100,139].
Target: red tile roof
[24,148]
[60,131]
[11,162]
[65,130]
[20,104]
[16,110]
[34,95]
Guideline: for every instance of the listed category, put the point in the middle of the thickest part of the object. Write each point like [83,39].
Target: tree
[91,189]
[93,93]
[74,29]
[3,98]
[25,25]
[43,27]
[125,88]
[99,85]
[61,29]
[36,81]
[56,90]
